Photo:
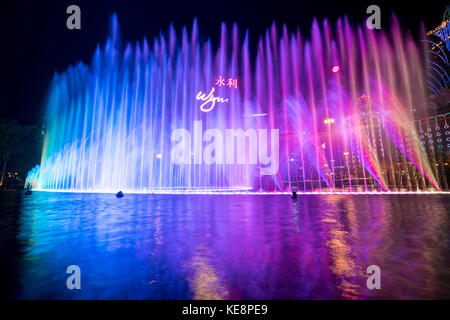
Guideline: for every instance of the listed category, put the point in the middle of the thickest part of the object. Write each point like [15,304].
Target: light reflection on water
[224,246]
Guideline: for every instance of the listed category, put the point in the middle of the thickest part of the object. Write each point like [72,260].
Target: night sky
[36,42]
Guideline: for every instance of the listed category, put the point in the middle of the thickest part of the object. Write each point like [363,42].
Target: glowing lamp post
[335,69]
[328,121]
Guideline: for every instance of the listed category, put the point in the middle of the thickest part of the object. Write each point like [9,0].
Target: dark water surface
[224,246]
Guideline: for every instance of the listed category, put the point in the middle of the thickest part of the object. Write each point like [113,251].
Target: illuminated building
[437,46]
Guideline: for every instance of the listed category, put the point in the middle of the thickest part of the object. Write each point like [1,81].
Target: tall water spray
[339,101]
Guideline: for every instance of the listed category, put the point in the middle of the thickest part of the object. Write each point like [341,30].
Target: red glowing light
[231,83]
[336,68]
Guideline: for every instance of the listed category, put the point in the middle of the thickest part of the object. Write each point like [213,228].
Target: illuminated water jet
[341,100]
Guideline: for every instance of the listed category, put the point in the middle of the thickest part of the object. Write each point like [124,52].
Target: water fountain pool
[147,246]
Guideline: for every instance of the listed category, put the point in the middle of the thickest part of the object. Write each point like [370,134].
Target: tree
[15,140]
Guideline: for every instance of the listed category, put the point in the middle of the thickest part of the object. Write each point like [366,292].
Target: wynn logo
[209,99]
[221,148]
